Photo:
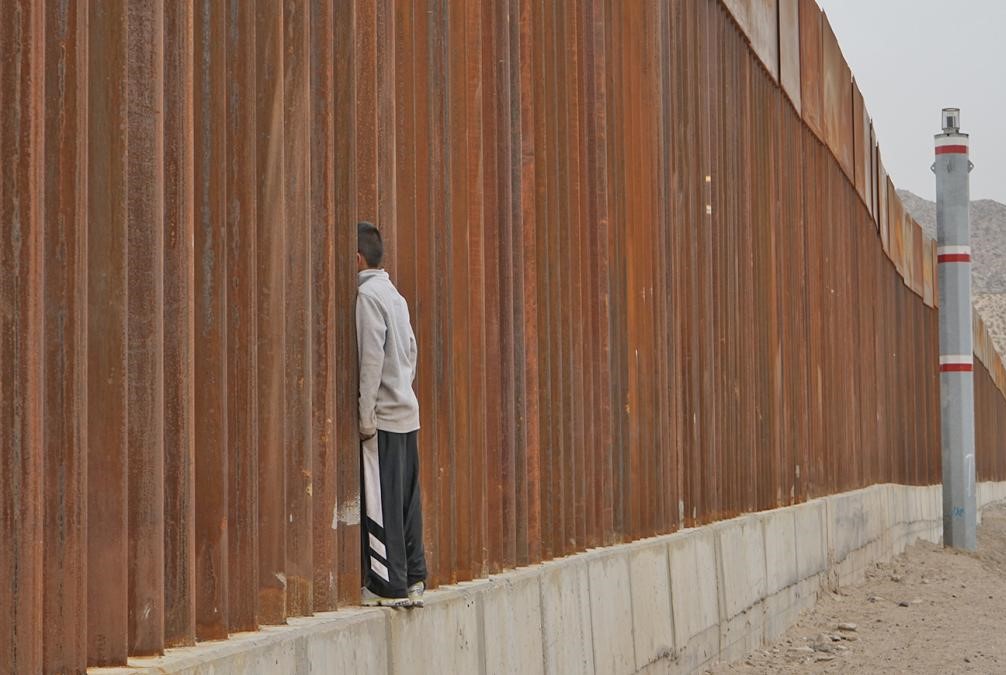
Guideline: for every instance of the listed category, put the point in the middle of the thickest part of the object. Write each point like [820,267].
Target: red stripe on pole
[956,368]
[954,258]
[951,150]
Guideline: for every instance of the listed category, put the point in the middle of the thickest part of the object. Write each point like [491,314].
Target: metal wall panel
[297,370]
[65,404]
[271,264]
[345,518]
[790,75]
[837,103]
[242,328]
[861,136]
[758,20]
[179,340]
[812,67]
[107,560]
[22,245]
[210,355]
[145,325]
[928,271]
[325,315]
[896,225]
[865,149]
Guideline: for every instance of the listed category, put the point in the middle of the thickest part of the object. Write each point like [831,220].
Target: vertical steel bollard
[957,403]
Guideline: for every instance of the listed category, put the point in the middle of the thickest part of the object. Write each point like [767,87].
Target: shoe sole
[417,603]
[396,603]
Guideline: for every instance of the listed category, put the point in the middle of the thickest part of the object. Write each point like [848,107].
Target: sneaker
[416,591]
[371,599]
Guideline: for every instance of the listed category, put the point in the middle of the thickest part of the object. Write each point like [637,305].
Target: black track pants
[392,544]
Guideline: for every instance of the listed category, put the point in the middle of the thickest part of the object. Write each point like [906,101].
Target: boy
[394,562]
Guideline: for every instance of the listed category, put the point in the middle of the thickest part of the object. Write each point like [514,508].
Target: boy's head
[369,248]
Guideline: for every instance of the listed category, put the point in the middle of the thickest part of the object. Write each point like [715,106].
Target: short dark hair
[368,243]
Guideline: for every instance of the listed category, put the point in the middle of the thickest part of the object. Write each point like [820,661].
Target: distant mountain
[988,251]
[988,238]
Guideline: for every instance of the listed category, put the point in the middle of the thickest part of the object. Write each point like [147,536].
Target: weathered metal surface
[22,244]
[145,325]
[860,135]
[865,146]
[908,254]
[242,323]
[928,277]
[758,20]
[345,518]
[896,228]
[887,194]
[812,67]
[874,182]
[325,315]
[271,260]
[297,370]
[837,100]
[789,51]
[646,294]
[345,515]
[107,560]
[210,319]
[917,259]
[65,405]
[179,339]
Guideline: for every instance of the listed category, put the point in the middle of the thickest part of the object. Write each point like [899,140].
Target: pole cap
[951,120]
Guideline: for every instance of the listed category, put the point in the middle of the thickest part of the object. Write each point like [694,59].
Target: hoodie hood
[366,275]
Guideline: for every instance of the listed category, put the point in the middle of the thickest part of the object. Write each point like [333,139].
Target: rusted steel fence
[658,274]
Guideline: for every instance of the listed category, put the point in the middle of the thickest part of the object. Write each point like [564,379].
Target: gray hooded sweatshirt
[388,356]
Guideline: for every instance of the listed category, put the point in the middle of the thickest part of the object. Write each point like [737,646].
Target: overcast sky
[911,59]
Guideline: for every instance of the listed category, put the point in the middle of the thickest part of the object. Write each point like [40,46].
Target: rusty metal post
[271,282]
[22,90]
[242,328]
[210,290]
[145,327]
[298,371]
[179,338]
[530,524]
[65,635]
[107,569]
[346,510]
[957,409]
[326,370]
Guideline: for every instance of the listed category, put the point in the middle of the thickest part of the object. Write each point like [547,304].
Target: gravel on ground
[930,610]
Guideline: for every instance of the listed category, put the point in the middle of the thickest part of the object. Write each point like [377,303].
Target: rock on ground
[945,613]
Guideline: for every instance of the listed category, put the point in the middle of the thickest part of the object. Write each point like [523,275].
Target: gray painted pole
[957,392]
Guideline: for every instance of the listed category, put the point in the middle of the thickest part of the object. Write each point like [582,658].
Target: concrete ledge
[513,602]
[610,597]
[674,603]
[565,622]
[694,590]
[652,617]
[444,636]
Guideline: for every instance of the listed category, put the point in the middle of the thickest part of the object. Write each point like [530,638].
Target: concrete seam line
[480,622]
[796,547]
[590,619]
[632,612]
[541,625]
[721,601]
[764,558]
[670,597]
[389,654]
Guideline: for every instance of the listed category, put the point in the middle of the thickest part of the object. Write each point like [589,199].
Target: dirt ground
[928,611]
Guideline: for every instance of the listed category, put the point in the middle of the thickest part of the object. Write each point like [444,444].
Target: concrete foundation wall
[668,604]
